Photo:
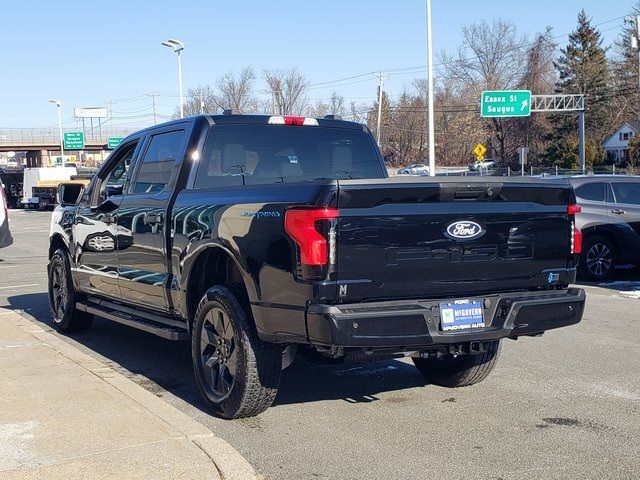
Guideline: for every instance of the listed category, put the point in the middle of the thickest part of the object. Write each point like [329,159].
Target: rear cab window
[269,154]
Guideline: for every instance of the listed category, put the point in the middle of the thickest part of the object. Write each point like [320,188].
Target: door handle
[152,218]
[108,219]
[618,211]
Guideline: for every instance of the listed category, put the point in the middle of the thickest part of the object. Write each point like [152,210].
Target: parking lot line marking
[20,286]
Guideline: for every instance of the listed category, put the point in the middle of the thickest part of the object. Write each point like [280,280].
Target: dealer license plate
[461,315]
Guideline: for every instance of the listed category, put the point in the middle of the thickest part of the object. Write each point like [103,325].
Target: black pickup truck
[262,237]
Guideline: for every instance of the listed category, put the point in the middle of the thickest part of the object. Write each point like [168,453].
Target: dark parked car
[258,237]
[610,223]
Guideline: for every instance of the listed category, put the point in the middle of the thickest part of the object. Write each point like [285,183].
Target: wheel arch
[215,265]
[57,242]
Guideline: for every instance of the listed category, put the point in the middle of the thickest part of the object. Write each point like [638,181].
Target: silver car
[610,223]
[416,169]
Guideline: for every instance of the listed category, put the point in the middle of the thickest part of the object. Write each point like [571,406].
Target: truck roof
[332,121]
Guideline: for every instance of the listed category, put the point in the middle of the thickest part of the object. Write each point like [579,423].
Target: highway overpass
[43,144]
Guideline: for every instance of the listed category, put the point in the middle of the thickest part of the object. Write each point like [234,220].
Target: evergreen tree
[583,69]
[633,162]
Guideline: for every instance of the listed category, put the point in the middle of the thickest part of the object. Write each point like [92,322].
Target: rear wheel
[598,259]
[237,373]
[62,296]
[459,370]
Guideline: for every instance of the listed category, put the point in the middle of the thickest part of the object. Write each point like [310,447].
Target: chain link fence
[528,172]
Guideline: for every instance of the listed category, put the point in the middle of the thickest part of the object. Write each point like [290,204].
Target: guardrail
[26,136]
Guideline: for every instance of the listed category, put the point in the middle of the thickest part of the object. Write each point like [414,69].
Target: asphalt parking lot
[566,405]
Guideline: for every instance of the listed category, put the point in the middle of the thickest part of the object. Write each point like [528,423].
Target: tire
[62,296]
[237,373]
[597,260]
[459,371]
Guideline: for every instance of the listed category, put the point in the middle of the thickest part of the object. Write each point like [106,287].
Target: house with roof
[617,145]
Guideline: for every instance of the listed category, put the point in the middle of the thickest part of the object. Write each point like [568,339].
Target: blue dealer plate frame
[461,315]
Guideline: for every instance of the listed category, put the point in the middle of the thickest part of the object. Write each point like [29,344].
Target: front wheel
[237,373]
[62,296]
[459,370]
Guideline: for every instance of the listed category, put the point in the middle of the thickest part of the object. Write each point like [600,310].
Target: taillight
[292,120]
[576,240]
[576,234]
[572,209]
[313,233]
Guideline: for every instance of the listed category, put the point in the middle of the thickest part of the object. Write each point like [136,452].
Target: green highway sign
[113,142]
[73,141]
[505,103]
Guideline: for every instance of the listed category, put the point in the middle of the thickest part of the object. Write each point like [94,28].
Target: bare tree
[319,109]
[236,92]
[539,77]
[336,104]
[489,58]
[200,99]
[288,89]
[358,113]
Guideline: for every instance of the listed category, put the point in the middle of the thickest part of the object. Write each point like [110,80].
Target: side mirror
[70,193]
[112,190]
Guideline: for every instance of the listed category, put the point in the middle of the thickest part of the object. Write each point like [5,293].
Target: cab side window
[157,164]
[113,183]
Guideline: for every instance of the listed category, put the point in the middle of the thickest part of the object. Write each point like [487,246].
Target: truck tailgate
[419,238]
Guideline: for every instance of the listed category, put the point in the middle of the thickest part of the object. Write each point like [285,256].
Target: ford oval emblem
[464,230]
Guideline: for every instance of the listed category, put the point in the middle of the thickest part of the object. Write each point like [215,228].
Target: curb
[226,459]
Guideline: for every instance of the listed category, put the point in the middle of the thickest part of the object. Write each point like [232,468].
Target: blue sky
[86,53]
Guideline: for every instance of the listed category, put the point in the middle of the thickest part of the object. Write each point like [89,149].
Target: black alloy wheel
[218,353]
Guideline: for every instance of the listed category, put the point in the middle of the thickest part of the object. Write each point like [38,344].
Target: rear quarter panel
[248,224]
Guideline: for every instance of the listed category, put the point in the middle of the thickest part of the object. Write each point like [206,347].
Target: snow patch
[632,294]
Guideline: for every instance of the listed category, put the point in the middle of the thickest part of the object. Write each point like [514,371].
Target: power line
[421,68]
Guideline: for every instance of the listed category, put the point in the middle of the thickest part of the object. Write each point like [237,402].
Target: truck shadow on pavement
[162,366]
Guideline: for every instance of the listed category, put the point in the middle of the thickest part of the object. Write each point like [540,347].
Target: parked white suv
[5,234]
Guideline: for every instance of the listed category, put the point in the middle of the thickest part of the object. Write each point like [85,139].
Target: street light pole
[432,140]
[58,104]
[180,83]
[177,47]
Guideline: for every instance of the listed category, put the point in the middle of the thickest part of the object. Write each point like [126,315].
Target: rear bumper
[416,323]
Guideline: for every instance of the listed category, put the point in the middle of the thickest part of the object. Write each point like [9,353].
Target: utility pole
[153,96]
[432,135]
[380,76]
[581,140]
[108,103]
[637,42]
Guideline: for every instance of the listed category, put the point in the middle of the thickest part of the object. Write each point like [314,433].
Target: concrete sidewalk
[66,415]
